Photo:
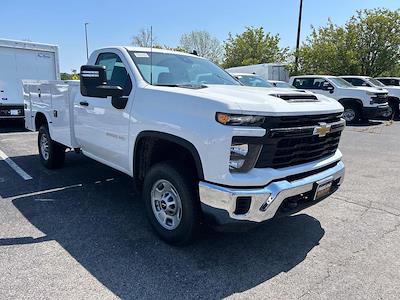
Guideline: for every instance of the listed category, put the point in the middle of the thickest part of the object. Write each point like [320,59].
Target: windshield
[340,82]
[170,69]
[375,82]
[251,80]
[280,84]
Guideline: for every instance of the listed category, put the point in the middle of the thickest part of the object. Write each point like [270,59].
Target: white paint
[14,166]
[45,192]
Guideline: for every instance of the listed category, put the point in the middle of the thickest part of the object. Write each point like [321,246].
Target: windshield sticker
[141,54]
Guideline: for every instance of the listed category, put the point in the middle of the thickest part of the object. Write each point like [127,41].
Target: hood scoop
[297,97]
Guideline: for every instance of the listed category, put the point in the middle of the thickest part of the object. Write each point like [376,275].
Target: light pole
[298,36]
[87,46]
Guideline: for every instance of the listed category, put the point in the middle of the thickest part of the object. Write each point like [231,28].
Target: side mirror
[94,83]
[328,87]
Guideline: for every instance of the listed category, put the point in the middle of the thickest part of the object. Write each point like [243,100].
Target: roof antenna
[151,55]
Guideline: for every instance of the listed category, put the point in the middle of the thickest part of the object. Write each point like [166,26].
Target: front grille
[300,121]
[380,98]
[291,140]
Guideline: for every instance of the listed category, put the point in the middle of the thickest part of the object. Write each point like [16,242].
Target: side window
[116,71]
[318,83]
[358,82]
[303,83]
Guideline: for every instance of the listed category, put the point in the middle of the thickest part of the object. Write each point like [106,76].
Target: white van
[267,71]
[23,60]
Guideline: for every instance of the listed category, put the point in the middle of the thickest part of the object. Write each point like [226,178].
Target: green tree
[377,36]
[203,43]
[368,44]
[328,50]
[253,46]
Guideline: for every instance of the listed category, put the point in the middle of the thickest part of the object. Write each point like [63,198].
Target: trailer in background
[23,60]
[266,71]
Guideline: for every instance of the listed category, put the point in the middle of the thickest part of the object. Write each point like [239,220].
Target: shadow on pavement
[103,226]
[366,123]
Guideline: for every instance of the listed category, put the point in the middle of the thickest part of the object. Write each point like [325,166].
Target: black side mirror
[94,83]
[328,87]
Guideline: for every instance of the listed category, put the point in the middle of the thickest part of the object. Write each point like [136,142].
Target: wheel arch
[344,101]
[144,140]
[40,119]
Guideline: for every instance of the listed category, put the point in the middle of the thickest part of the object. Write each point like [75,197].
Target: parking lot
[81,233]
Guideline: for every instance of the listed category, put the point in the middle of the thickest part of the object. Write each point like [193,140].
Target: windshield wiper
[185,85]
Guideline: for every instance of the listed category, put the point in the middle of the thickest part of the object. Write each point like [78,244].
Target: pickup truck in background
[23,60]
[393,92]
[389,81]
[200,146]
[358,102]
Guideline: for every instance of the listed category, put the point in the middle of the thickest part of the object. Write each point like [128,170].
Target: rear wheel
[172,203]
[351,113]
[52,154]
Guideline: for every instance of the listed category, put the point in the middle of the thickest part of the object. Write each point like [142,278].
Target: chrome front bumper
[218,200]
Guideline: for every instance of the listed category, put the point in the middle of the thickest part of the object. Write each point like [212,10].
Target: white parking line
[14,166]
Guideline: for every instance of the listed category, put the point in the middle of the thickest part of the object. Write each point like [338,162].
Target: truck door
[100,128]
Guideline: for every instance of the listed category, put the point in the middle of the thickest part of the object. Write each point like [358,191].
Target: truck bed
[54,99]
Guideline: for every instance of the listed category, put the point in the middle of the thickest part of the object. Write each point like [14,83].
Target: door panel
[101,129]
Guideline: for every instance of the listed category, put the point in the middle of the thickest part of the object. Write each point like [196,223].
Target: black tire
[185,186]
[55,156]
[353,110]
[394,111]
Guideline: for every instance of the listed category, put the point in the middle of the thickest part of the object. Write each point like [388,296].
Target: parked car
[358,102]
[200,146]
[393,92]
[23,60]
[281,84]
[252,80]
[266,71]
[389,81]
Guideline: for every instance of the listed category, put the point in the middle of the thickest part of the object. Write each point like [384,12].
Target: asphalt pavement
[81,233]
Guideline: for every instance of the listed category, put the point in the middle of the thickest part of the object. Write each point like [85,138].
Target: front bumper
[374,112]
[219,203]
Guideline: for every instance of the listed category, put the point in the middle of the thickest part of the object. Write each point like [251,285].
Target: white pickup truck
[393,92]
[359,102]
[202,147]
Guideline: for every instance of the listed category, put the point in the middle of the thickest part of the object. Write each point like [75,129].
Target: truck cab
[393,92]
[358,102]
[200,146]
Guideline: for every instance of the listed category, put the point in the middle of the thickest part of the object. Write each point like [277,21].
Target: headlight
[239,120]
[371,94]
[243,156]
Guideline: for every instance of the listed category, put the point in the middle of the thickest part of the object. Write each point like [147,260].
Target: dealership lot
[81,232]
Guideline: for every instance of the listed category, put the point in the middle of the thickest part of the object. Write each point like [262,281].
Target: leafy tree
[144,38]
[253,46]
[329,50]
[368,44]
[67,76]
[377,40]
[203,43]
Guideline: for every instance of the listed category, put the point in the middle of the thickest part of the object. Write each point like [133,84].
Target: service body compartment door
[60,114]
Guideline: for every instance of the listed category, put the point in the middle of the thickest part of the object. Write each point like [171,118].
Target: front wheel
[351,113]
[52,154]
[172,203]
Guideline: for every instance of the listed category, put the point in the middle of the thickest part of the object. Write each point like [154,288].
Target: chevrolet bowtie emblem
[322,130]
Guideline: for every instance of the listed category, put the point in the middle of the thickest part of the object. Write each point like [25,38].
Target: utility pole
[87,46]
[298,35]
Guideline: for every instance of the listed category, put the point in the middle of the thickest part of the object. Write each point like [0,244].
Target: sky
[116,22]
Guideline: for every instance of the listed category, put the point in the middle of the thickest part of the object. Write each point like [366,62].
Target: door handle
[84,103]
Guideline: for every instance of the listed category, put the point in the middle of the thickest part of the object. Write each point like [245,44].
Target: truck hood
[265,101]
[370,89]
